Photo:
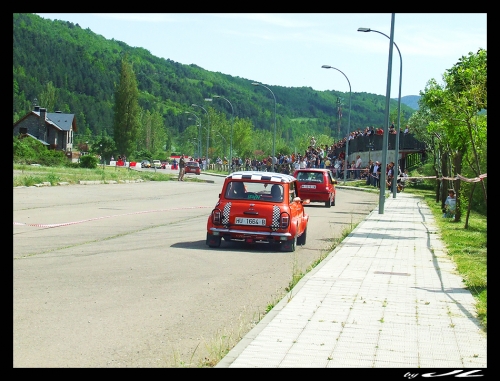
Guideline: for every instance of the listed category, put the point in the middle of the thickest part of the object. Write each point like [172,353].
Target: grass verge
[26,175]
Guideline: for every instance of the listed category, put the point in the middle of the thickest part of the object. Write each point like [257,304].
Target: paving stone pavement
[387,297]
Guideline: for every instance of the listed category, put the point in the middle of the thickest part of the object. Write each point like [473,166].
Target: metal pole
[398,131]
[225,141]
[231,135]
[198,120]
[395,187]
[385,141]
[208,129]
[274,137]
[348,121]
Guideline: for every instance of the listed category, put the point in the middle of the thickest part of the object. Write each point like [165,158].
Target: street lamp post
[386,124]
[198,153]
[370,148]
[274,137]
[199,131]
[194,142]
[398,131]
[225,142]
[231,135]
[348,121]
[208,129]
[102,156]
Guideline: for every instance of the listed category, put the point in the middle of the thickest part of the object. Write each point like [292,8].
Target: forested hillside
[61,66]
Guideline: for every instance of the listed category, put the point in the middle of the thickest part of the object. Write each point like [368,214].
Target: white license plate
[250,221]
[308,186]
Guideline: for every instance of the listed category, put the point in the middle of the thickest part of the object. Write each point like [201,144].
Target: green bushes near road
[31,151]
[88,161]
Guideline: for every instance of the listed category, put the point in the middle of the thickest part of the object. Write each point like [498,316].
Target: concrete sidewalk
[387,297]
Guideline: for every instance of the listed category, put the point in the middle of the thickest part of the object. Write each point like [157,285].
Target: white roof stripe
[266,176]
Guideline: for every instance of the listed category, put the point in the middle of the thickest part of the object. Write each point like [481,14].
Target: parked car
[259,207]
[157,164]
[192,167]
[145,164]
[316,184]
[165,165]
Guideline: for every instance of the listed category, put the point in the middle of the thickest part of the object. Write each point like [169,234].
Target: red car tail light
[284,220]
[216,217]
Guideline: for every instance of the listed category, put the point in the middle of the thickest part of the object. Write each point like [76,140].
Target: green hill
[83,68]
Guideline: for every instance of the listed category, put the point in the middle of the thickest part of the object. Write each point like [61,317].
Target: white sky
[288,49]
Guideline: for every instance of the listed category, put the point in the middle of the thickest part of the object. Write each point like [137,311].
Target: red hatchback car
[192,167]
[316,184]
[256,207]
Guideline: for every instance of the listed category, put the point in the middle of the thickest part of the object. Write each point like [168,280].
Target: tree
[104,146]
[152,135]
[48,97]
[462,127]
[126,111]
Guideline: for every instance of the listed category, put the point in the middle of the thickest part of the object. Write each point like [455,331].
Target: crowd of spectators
[315,156]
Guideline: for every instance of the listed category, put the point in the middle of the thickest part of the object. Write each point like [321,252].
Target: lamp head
[364,30]
[326,67]
[194,105]
[215,96]
[255,83]
[208,99]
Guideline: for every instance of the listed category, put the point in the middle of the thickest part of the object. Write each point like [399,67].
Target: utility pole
[339,114]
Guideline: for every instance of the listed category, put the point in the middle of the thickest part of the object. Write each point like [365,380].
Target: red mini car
[192,167]
[316,184]
[256,207]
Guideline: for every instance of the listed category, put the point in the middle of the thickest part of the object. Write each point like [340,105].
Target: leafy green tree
[244,141]
[425,127]
[105,147]
[21,104]
[48,97]
[220,134]
[126,111]
[152,134]
[461,127]
[189,142]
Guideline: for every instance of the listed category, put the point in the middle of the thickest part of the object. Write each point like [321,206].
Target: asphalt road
[118,275]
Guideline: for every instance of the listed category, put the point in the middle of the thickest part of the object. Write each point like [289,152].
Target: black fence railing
[374,143]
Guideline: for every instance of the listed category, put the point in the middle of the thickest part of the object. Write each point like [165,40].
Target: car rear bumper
[242,234]
[315,197]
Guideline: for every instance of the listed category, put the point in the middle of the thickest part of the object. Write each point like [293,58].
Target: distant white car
[156,164]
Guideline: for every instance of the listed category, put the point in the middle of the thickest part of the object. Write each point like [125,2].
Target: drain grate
[391,273]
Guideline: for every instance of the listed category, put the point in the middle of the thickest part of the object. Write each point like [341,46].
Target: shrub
[30,151]
[88,161]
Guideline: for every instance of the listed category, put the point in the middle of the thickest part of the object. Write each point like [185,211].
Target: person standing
[374,173]
[450,205]
[371,164]
[182,168]
[359,163]
[390,176]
